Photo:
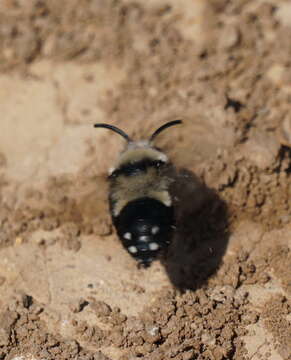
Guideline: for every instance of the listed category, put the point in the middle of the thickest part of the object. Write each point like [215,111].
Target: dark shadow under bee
[201,235]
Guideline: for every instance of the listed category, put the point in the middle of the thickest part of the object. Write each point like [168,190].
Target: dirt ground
[68,289]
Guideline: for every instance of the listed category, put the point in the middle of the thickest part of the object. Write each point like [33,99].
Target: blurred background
[223,66]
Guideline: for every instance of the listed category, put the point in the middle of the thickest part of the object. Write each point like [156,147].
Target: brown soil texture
[68,288]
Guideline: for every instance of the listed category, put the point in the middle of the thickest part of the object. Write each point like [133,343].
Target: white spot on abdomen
[153,246]
[132,249]
[155,230]
[127,236]
[144,238]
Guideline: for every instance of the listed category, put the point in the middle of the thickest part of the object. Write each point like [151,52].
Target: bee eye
[159,163]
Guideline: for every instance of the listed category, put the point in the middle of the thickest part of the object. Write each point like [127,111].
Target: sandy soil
[68,289]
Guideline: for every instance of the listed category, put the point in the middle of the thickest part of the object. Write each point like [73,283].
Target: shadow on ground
[202,232]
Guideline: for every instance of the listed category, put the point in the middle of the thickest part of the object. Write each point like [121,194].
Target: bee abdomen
[144,227]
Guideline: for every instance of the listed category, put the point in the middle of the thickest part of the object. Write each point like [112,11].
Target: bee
[139,196]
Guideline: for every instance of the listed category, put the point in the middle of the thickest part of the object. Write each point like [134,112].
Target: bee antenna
[115,129]
[163,127]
